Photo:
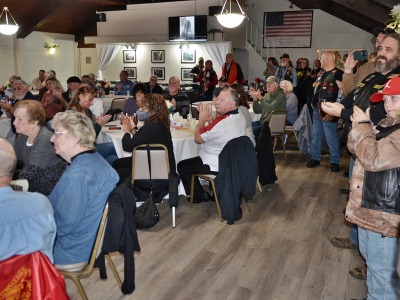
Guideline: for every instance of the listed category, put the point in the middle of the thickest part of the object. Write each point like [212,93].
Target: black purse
[147,215]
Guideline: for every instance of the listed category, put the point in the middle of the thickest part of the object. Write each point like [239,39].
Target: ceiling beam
[43,12]
[369,10]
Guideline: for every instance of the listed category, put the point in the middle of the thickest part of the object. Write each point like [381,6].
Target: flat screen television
[188,28]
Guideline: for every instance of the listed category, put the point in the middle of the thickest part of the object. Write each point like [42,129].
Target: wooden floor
[279,250]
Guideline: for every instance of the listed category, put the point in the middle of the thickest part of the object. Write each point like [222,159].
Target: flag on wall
[288,29]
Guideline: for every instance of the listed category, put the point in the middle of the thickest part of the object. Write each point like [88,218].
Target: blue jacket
[78,200]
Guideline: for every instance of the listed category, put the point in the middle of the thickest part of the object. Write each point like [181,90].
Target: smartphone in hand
[361,55]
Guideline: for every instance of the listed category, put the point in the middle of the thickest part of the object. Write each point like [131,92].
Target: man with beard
[387,66]
[20,92]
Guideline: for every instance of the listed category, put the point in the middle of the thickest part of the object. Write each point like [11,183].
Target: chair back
[118,103]
[159,162]
[277,122]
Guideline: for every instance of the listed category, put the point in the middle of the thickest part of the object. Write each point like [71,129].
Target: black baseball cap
[378,30]
[74,79]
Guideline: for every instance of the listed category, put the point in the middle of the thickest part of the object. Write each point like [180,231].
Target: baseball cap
[271,79]
[201,59]
[392,87]
[285,55]
[222,78]
[73,79]
[378,30]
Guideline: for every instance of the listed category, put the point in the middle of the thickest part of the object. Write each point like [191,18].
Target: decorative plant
[50,45]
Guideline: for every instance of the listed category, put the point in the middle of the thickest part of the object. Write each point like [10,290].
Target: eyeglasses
[57,133]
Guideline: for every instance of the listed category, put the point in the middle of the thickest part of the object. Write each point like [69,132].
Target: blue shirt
[26,224]
[78,200]
[127,86]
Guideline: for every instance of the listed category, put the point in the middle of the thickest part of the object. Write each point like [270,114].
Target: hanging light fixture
[230,19]
[6,27]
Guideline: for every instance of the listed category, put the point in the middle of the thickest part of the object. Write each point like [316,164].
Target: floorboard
[279,250]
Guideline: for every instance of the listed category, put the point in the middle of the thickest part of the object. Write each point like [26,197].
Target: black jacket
[265,156]
[237,176]
[120,234]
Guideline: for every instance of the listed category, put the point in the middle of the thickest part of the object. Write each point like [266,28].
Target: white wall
[328,32]
[25,57]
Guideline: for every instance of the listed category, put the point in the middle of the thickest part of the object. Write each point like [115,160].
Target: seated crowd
[55,147]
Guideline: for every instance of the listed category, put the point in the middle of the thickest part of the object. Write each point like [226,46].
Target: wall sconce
[183,46]
[291,5]
[51,47]
[130,46]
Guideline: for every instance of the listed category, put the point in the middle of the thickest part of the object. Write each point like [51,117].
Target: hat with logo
[271,79]
[73,79]
[392,87]
[222,79]
[285,55]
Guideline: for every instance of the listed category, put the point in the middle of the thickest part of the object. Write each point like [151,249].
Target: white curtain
[106,53]
[217,53]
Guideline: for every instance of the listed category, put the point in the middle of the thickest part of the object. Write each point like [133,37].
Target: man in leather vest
[285,71]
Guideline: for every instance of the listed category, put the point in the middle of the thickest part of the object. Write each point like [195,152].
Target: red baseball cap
[392,87]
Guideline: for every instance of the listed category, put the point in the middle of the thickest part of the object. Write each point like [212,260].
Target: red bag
[30,276]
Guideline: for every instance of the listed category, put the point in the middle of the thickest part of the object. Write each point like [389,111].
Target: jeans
[354,228]
[330,129]
[380,253]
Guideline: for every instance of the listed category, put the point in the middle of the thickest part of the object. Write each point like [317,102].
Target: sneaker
[312,163]
[335,168]
[359,272]
[343,243]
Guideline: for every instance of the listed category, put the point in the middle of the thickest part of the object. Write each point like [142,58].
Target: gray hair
[21,82]
[78,125]
[8,159]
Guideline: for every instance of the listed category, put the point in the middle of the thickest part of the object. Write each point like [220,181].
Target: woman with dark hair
[81,102]
[244,109]
[37,161]
[133,103]
[208,80]
[155,115]
[272,64]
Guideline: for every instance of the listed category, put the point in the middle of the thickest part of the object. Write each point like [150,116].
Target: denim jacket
[78,200]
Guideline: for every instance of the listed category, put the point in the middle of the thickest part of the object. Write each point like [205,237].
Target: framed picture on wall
[158,56]
[132,74]
[186,74]
[129,56]
[188,56]
[159,72]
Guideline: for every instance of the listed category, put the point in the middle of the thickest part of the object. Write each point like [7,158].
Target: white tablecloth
[183,142]
[254,117]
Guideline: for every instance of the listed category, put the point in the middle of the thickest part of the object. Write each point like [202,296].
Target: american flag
[289,26]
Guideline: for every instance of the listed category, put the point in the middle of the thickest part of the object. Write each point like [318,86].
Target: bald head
[8,161]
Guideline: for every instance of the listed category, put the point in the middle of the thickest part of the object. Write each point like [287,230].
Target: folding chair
[117,105]
[211,177]
[277,124]
[76,275]
[290,129]
[159,165]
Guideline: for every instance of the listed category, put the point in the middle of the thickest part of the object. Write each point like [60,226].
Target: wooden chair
[159,166]
[77,275]
[277,124]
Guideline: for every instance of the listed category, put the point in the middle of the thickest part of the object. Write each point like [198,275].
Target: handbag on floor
[147,215]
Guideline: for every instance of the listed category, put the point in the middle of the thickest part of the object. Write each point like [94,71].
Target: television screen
[188,28]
